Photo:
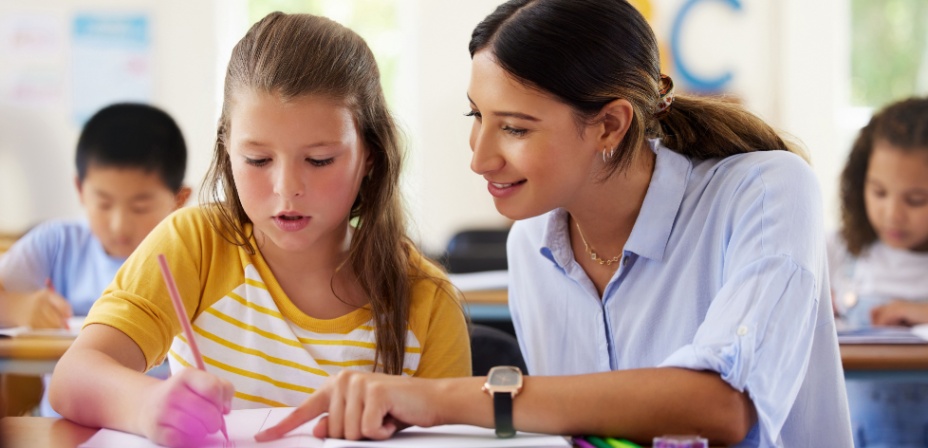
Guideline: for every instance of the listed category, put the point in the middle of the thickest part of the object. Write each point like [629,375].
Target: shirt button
[625,260]
[742,330]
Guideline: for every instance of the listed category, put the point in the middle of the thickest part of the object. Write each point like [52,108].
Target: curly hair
[904,125]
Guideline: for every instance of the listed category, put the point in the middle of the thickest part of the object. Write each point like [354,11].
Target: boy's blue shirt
[68,253]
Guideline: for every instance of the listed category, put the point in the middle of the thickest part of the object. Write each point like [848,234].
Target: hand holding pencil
[47,309]
[188,406]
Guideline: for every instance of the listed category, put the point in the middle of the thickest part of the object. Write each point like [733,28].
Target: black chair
[476,250]
[490,347]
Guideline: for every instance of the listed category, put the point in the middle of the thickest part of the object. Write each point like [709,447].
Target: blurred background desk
[29,432]
[31,355]
[490,306]
[894,362]
[23,361]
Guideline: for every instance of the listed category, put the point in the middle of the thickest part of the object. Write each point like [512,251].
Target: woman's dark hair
[904,125]
[588,53]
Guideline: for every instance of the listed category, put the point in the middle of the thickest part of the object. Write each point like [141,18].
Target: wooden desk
[29,432]
[31,356]
[32,432]
[901,362]
[493,297]
[487,305]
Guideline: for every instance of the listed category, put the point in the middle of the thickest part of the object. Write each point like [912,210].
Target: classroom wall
[788,65]
[38,136]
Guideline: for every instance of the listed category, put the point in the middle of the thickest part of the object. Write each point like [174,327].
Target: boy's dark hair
[128,135]
[904,125]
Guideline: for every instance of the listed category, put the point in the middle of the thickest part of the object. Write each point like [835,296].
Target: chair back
[476,250]
[490,347]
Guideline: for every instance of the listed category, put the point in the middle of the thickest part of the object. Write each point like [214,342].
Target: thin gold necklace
[593,255]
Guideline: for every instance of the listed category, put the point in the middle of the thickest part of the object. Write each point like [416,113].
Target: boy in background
[131,160]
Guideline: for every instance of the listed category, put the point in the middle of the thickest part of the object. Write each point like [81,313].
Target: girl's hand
[900,312]
[364,405]
[185,408]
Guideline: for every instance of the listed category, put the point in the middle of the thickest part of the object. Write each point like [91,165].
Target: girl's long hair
[292,55]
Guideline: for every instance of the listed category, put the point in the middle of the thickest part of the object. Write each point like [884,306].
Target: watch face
[505,376]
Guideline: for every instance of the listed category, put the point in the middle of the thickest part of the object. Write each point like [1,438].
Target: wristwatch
[503,384]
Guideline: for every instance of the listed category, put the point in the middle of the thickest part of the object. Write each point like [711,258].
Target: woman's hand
[900,312]
[185,408]
[364,405]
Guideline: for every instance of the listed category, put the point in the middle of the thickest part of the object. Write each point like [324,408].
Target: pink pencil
[51,287]
[184,321]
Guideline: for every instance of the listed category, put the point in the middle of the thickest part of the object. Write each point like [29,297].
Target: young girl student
[879,258]
[667,271]
[299,270]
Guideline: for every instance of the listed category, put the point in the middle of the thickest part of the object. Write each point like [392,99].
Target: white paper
[74,327]
[454,436]
[881,335]
[243,424]
[921,331]
[480,281]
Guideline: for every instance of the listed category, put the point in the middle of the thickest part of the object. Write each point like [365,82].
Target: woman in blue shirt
[668,267]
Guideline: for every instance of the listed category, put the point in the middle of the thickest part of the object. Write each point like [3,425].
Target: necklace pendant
[592,255]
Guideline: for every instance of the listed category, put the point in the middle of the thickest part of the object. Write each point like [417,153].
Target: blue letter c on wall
[699,84]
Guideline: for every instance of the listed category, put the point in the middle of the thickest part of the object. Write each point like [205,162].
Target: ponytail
[705,128]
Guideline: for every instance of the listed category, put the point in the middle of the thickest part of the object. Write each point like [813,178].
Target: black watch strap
[502,414]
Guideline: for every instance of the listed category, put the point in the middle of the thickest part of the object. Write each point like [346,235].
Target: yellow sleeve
[437,319]
[137,301]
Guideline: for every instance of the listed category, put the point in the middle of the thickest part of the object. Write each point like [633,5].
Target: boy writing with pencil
[131,160]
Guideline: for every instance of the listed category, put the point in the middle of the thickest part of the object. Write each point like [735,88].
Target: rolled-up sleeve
[757,335]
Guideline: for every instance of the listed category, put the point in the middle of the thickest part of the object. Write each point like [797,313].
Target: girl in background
[879,261]
[300,268]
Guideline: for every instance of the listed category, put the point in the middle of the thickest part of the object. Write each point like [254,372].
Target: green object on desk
[597,442]
[621,443]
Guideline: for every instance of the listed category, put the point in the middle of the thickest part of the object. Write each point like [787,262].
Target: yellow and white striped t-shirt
[247,329]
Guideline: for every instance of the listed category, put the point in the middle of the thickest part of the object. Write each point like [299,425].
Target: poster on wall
[32,57]
[111,61]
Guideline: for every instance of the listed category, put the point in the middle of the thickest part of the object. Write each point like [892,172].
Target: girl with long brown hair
[298,268]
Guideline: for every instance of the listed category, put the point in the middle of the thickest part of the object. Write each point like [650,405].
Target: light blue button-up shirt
[724,270]
[66,252]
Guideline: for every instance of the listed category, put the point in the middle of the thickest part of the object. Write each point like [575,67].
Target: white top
[879,271]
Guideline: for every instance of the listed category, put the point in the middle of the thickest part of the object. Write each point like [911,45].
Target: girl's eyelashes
[314,162]
[257,162]
[323,162]
[474,114]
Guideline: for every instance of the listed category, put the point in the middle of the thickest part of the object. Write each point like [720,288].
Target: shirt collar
[655,221]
